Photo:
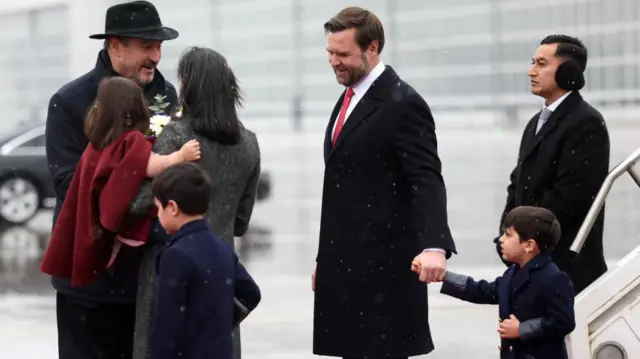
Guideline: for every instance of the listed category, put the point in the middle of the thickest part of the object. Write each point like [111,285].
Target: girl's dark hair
[209,95]
[119,107]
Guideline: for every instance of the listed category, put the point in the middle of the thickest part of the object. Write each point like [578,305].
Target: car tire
[19,200]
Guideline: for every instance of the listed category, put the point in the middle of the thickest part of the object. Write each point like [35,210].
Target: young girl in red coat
[93,222]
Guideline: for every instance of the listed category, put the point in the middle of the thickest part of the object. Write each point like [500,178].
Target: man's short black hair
[569,48]
[187,185]
[535,223]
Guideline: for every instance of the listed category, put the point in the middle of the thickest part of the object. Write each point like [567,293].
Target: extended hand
[509,328]
[430,265]
[313,280]
[190,151]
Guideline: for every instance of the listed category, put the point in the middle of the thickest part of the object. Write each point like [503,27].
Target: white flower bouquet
[159,118]
[157,123]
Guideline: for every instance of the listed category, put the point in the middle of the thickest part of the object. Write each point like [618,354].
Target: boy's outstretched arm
[466,288]
[170,313]
[559,319]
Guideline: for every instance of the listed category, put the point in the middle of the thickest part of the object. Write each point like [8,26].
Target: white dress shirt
[552,107]
[359,90]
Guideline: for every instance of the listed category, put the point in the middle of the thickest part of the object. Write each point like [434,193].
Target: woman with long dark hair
[209,98]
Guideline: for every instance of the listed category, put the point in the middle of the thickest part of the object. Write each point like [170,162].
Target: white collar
[557,102]
[361,88]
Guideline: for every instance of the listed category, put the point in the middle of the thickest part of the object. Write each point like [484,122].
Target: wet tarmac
[280,248]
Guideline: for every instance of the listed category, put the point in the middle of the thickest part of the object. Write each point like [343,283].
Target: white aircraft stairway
[608,311]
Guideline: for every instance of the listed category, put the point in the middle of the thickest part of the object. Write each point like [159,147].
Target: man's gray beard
[144,83]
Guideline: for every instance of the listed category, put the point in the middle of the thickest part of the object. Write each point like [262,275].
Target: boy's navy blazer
[199,277]
[538,294]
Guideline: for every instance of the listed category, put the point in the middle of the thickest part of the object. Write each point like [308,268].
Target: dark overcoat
[383,202]
[198,277]
[561,168]
[539,295]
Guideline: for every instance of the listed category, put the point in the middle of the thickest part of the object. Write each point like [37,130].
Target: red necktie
[343,113]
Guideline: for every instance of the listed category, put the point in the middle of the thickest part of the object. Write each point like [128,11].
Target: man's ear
[374,46]
[116,45]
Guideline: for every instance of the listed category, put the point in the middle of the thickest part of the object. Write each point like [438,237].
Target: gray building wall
[34,61]
[463,55]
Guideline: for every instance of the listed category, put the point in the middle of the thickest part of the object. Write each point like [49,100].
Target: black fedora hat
[137,19]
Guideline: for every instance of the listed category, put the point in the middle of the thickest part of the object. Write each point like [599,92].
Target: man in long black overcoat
[383,205]
[563,158]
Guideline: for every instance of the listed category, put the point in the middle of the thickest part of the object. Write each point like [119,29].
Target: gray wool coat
[234,171]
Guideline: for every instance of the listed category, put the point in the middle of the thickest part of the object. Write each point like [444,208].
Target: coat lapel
[328,147]
[534,139]
[375,95]
[524,274]
[519,280]
[505,292]
[516,279]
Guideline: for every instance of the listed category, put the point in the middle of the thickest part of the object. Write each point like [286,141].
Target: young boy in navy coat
[199,275]
[535,298]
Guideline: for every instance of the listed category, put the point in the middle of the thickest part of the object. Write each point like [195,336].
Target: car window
[37,141]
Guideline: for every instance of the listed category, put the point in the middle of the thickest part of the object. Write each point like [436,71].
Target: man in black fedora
[97,321]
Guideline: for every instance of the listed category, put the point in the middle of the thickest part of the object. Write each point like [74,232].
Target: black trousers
[388,358]
[91,330]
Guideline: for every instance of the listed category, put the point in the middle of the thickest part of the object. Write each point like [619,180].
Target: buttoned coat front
[383,202]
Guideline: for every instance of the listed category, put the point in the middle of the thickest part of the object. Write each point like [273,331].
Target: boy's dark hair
[367,25]
[569,48]
[535,223]
[120,106]
[187,185]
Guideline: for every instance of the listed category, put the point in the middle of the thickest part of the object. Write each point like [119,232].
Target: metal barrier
[606,320]
[596,207]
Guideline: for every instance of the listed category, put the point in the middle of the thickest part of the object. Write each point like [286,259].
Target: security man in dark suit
[564,156]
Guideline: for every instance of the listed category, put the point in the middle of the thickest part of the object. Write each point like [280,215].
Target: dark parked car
[25,183]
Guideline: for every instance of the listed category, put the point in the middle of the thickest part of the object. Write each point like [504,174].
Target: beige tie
[544,115]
